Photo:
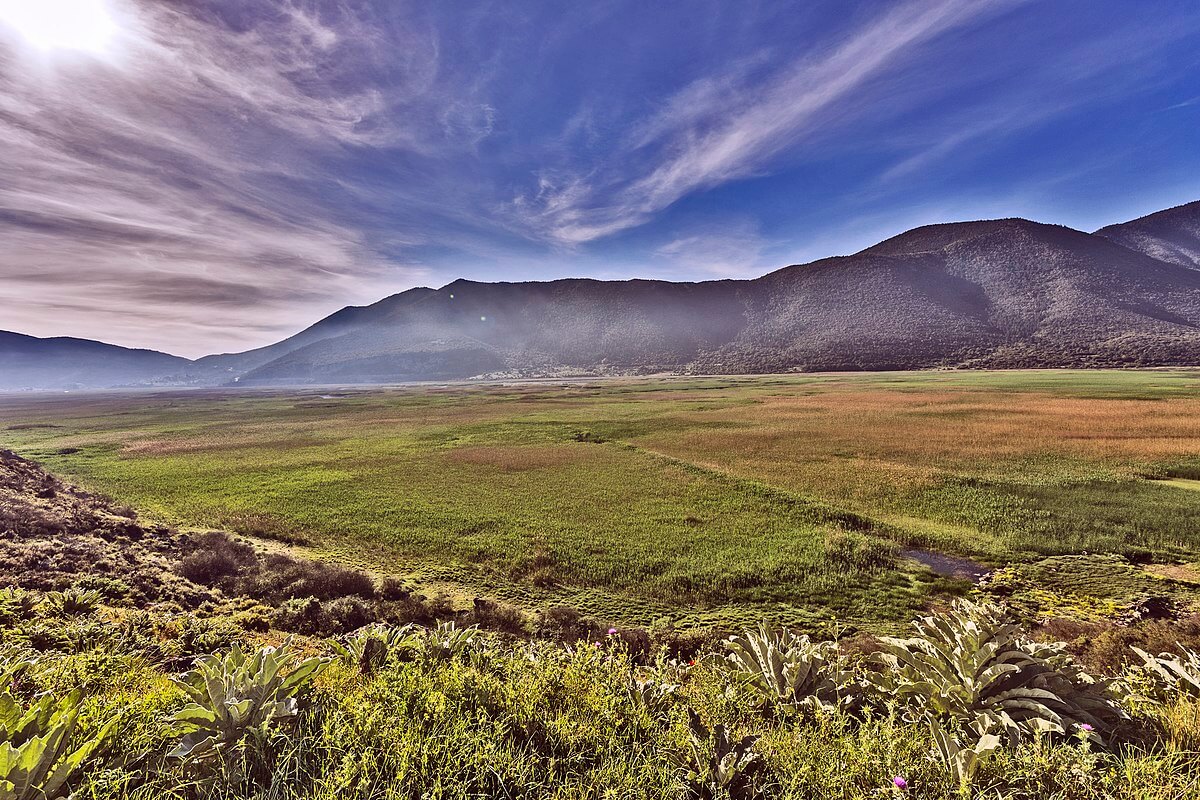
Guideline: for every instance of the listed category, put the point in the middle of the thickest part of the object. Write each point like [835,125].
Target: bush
[236,568]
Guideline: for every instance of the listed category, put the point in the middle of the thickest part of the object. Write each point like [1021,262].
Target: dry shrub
[498,616]
[236,568]
[1105,646]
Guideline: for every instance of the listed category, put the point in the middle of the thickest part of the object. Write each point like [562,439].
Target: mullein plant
[42,745]
[237,702]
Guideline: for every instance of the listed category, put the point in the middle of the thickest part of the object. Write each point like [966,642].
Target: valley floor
[684,502]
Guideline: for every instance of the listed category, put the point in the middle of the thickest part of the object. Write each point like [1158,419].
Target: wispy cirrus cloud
[723,128]
[231,170]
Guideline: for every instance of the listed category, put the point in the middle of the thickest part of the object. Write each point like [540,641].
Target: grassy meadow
[705,501]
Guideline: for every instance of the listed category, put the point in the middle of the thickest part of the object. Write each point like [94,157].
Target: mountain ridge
[997,293]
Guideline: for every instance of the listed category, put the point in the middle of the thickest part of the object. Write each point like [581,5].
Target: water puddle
[951,566]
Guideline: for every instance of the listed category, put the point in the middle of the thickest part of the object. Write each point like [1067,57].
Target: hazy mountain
[27,362]
[998,293]
[231,365]
[1172,235]
[1003,293]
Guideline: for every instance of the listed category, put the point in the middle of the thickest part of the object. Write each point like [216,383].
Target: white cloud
[166,198]
[721,128]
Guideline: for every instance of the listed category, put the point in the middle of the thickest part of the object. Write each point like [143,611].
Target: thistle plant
[371,647]
[71,602]
[447,640]
[238,700]
[961,754]
[654,696]
[42,746]
[17,604]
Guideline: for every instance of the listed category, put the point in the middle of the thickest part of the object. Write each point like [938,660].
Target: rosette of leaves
[1167,676]
[786,670]
[71,602]
[716,765]
[372,646]
[17,605]
[447,640]
[42,746]
[655,696]
[238,700]
[974,669]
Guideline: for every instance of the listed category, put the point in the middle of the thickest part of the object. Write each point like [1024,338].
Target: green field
[700,501]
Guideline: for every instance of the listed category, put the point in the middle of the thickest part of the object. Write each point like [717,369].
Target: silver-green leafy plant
[237,700]
[787,670]
[371,647]
[972,668]
[447,640]
[655,696]
[42,746]
[716,765]
[71,602]
[17,604]
[1170,676]
[961,754]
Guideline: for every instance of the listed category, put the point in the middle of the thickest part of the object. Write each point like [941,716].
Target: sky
[200,176]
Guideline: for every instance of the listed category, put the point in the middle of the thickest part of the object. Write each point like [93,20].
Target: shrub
[215,559]
[499,616]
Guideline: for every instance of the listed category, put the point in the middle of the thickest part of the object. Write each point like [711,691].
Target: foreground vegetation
[704,502]
[967,706]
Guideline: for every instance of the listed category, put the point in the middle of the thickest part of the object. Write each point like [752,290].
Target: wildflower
[900,783]
[1086,728]
[595,644]
[612,631]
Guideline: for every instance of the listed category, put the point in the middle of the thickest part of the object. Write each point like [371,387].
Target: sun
[49,25]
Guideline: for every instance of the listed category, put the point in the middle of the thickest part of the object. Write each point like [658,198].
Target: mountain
[1000,293]
[1172,235]
[232,365]
[27,362]
[997,293]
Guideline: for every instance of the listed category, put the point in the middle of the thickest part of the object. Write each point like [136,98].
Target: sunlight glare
[48,25]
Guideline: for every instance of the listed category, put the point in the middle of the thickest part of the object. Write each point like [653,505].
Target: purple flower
[595,644]
[1086,727]
[612,631]
[899,783]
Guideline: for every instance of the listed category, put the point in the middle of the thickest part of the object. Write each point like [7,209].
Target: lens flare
[48,25]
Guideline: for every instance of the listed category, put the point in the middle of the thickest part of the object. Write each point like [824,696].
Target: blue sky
[204,176]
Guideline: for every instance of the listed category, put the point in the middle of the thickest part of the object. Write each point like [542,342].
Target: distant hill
[1172,235]
[999,293]
[27,362]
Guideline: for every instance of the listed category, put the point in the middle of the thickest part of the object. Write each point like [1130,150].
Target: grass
[701,501]
[514,719]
